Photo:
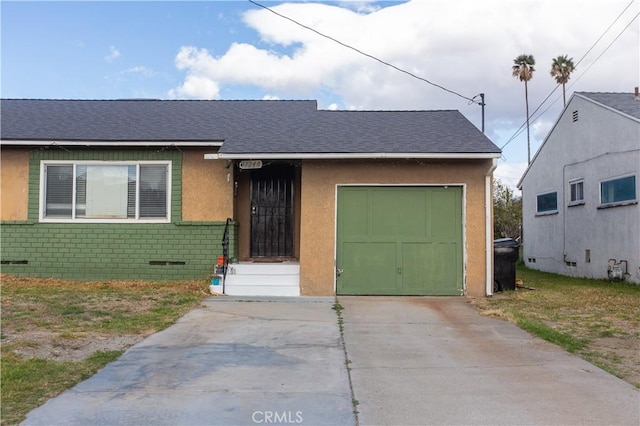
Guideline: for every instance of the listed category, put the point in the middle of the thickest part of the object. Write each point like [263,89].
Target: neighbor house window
[547,203]
[618,190]
[577,192]
[105,191]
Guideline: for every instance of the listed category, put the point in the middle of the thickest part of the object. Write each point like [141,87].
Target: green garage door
[399,240]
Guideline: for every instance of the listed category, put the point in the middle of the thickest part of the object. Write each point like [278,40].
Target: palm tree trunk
[526,100]
[564,98]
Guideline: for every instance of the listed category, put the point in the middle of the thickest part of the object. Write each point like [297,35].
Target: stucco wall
[318,212]
[14,184]
[207,194]
[578,240]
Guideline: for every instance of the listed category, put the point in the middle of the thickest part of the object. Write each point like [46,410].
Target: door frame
[463,186]
[293,203]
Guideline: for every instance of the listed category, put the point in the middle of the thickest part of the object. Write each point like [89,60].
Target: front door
[272,211]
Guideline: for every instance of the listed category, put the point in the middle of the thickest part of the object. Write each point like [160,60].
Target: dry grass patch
[597,320]
[56,333]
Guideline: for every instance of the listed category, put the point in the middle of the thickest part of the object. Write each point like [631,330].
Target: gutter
[364,155]
[488,190]
[114,143]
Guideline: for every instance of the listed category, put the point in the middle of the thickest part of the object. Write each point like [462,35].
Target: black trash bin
[505,256]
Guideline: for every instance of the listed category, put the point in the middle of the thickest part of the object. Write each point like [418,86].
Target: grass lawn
[594,319]
[57,333]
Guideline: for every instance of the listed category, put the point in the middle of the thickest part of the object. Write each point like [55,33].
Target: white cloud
[541,128]
[362,6]
[196,87]
[466,46]
[139,69]
[510,174]
[113,54]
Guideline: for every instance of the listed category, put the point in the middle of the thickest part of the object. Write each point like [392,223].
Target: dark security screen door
[272,211]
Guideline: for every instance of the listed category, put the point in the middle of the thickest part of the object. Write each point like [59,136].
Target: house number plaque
[250,164]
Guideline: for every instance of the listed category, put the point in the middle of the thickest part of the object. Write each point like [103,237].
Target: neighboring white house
[580,209]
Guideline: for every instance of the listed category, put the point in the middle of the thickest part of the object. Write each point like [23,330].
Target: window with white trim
[618,190]
[97,191]
[547,203]
[577,192]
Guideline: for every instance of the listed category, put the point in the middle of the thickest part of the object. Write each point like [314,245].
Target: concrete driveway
[229,362]
[436,361]
[413,361]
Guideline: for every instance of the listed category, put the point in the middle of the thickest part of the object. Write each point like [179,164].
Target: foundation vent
[14,262]
[166,262]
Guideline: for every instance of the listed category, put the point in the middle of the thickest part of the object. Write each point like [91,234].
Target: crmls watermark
[277,417]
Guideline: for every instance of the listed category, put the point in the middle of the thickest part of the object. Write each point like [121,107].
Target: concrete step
[263,279]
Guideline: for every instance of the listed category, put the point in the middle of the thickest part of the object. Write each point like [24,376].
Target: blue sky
[237,50]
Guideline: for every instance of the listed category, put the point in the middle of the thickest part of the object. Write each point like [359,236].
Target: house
[580,193]
[318,202]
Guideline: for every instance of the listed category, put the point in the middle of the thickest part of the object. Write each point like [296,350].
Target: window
[618,190]
[577,192]
[547,203]
[105,191]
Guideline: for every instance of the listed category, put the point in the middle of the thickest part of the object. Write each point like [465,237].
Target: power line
[607,30]
[521,129]
[364,53]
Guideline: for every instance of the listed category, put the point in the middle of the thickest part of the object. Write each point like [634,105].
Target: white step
[263,279]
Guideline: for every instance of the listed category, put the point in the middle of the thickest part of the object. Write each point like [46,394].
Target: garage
[399,240]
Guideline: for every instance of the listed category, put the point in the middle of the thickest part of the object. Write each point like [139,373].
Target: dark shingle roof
[374,132]
[623,102]
[246,127]
[139,120]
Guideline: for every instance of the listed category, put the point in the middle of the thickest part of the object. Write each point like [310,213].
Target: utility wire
[533,120]
[472,100]
[521,128]
[605,50]
[607,30]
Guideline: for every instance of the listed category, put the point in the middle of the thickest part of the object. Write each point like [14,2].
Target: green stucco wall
[90,251]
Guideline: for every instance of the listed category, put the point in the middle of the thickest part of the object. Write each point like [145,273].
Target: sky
[454,49]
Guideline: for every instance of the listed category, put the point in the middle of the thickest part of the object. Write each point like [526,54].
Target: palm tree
[523,69]
[561,69]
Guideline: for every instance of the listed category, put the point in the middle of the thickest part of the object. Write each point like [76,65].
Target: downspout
[488,221]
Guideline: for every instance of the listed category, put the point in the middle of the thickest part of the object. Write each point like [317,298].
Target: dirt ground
[49,345]
[62,321]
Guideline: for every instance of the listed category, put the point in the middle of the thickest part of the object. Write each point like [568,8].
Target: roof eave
[364,155]
[22,142]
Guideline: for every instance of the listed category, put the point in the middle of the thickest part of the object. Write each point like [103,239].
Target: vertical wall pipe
[488,220]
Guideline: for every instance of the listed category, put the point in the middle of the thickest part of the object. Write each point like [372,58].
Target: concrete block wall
[111,251]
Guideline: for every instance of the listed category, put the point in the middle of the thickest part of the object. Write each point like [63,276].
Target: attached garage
[399,240]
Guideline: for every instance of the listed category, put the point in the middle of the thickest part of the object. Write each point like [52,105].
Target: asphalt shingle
[246,127]
[623,102]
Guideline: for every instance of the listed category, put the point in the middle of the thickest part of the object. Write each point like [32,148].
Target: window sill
[620,204]
[111,221]
[576,204]
[547,213]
